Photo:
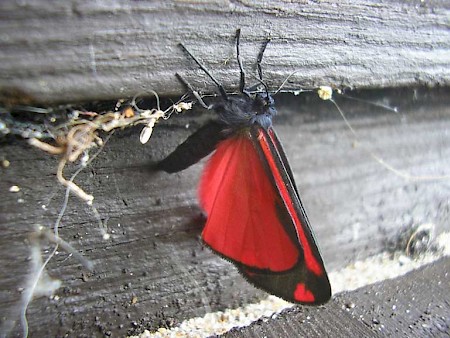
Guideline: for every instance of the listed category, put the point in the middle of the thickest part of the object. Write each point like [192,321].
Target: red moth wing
[256,219]
[307,282]
[239,199]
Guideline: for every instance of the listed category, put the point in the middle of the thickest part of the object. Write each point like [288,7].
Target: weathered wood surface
[355,205]
[414,305]
[82,50]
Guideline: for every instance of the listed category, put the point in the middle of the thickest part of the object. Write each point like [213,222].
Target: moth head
[263,104]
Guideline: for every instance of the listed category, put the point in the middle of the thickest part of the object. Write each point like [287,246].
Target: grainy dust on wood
[361,273]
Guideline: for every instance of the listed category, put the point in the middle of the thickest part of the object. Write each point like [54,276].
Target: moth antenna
[221,89]
[286,80]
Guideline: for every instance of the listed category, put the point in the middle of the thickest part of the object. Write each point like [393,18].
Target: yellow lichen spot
[325,92]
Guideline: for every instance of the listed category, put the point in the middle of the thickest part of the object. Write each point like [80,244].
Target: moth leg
[221,89]
[239,60]
[192,91]
[259,58]
[258,66]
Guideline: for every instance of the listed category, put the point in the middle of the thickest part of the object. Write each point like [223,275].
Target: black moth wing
[197,146]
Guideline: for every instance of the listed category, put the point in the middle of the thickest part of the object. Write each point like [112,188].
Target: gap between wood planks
[374,269]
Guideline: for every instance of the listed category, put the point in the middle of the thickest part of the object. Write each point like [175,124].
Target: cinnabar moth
[255,217]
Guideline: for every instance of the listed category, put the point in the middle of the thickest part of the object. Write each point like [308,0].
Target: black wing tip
[322,298]
[162,166]
[154,167]
[322,292]
[284,287]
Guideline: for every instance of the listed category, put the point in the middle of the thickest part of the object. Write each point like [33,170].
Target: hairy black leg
[259,58]
[192,91]
[221,89]
[239,60]
[259,68]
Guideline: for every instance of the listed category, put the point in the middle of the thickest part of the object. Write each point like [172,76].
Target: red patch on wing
[310,260]
[302,294]
[240,201]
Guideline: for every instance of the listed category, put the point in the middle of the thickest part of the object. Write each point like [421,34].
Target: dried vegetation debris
[69,131]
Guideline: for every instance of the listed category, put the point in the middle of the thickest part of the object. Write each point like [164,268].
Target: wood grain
[416,304]
[154,271]
[65,51]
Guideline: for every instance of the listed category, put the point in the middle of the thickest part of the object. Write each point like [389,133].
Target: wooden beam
[153,270]
[416,304]
[67,51]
